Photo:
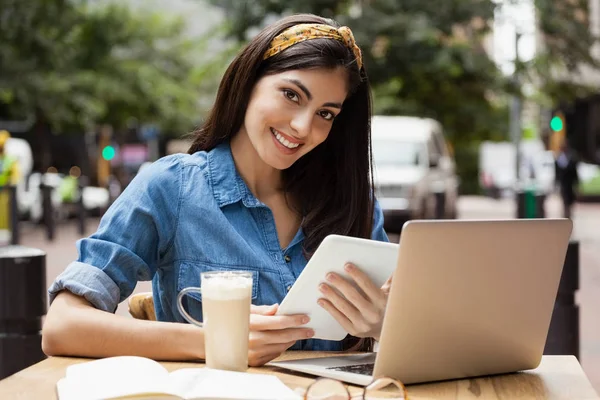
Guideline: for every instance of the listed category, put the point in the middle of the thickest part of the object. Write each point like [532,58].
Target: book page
[67,390]
[115,377]
[206,383]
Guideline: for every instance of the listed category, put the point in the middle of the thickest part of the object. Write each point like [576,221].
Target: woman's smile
[284,142]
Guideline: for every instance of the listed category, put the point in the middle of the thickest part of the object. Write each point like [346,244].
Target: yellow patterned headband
[300,33]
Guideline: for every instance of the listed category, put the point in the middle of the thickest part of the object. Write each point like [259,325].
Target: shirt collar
[227,185]
[297,239]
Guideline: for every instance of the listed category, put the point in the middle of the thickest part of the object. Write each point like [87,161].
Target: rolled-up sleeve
[133,236]
[378,232]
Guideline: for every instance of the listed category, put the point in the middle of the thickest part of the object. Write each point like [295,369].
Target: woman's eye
[327,115]
[291,95]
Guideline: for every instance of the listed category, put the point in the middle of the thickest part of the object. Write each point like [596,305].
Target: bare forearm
[74,328]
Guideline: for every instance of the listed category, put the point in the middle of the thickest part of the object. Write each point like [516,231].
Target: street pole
[515,110]
[525,208]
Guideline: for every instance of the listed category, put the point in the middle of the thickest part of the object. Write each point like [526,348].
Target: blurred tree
[35,39]
[137,65]
[566,50]
[74,64]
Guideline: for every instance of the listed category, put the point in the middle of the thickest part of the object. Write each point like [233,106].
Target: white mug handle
[182,311]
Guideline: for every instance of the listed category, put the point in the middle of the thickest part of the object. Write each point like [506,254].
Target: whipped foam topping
[227,287]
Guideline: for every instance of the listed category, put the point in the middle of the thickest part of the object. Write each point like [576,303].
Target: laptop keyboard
[362,369]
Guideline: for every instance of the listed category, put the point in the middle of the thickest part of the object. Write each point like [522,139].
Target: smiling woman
[291,113]
[282,161]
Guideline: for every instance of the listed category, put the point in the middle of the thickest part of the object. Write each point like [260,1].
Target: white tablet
[377,259]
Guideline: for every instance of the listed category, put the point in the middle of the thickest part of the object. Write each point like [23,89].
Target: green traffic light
[108,153]
[556,124]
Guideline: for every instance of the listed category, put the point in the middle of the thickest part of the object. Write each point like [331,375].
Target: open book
[137,377]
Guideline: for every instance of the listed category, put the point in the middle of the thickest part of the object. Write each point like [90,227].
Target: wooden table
[557,377]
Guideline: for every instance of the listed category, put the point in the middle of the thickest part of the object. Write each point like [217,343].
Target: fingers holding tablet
[271,335]
[356,303]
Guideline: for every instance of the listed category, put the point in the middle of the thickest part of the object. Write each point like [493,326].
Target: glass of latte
[226,299]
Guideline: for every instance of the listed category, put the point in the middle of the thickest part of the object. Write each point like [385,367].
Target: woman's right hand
[271,335]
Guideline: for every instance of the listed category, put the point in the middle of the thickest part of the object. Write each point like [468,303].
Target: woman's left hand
[360,312]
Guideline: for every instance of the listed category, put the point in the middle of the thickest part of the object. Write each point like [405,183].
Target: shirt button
[287,258]
[288,288]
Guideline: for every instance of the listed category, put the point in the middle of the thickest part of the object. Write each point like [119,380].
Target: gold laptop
[468,298]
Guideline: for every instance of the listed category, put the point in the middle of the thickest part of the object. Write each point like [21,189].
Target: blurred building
[582,116]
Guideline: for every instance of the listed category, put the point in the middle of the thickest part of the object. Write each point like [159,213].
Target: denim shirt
[183,215]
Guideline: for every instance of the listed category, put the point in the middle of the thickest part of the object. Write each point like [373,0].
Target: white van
[497,166]
[412,168]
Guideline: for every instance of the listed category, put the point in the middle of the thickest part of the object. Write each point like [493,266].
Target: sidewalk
[62,250]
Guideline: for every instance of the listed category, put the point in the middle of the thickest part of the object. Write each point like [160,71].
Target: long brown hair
[332,184]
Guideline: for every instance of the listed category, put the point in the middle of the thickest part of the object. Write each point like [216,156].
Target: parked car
[413,170]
